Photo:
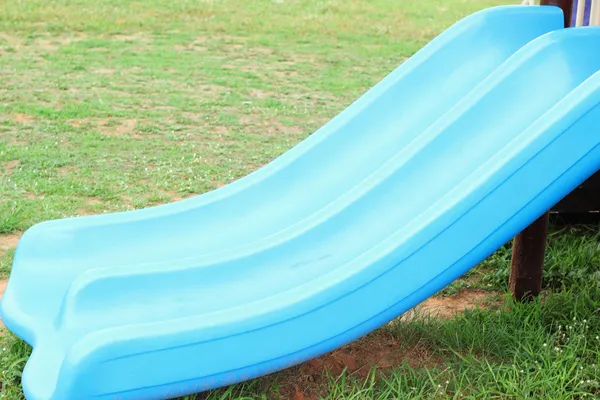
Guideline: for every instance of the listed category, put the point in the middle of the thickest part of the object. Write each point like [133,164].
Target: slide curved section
[451,184]
[291,189]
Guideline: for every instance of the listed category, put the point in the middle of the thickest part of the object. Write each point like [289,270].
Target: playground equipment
[581,205]
[403,192]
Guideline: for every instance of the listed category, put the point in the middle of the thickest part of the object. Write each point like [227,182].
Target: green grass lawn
[116,105]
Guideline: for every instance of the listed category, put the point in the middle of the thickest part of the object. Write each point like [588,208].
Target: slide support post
[528,251]
[529,246]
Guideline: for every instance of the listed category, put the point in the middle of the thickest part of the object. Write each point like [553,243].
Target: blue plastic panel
[425,175]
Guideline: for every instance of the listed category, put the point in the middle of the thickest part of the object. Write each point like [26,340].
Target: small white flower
[546,344]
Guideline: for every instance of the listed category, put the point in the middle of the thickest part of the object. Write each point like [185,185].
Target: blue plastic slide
[424,176]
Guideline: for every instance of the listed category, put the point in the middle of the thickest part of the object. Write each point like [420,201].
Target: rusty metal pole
[529,246]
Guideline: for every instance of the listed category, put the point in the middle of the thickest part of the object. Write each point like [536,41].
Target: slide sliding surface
[268,203]
[403,192]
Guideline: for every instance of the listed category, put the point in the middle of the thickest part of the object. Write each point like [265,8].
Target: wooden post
[529,246]
[528,251]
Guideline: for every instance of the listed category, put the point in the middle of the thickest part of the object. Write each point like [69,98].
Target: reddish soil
[9,241]
[23,118]
[447,307]
[379,350]
[10,166]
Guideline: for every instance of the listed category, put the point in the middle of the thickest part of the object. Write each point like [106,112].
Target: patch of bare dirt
[88,121]
[11,40]
[268,125]
[198,44]
[53,43]
[311,98]
[134,70]
[223,37]
[449,306]
[126,127]
[10,166]
[285,73]
[260,94]
[135,42]
[233,46]
[126,200]
[165,108]
[13,141]
[92,201]
[23,118]
[296,58]
[173,196]
[47,44]
[252,68]
[208,91]
[220,129]
[104,71]
[196,47]
[231,37]
[131,38]
[262,50]
[211,89]
[202,39]
[378,350]
[9,241]
[89,203]
[67,170]
[193,116]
